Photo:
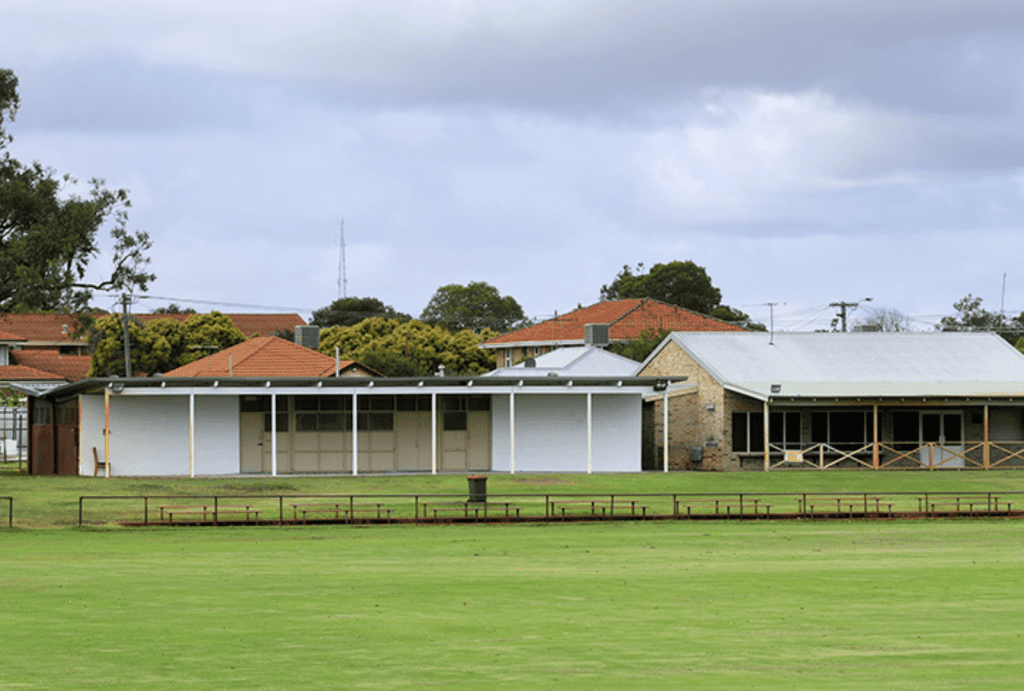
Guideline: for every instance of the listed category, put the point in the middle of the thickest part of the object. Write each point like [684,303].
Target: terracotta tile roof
[264,356]
[47,328]
[4,336]
[22,373]
[67,367]
[58,328]
[249,324]
[627,319]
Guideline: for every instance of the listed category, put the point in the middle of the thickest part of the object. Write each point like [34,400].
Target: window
[508,357]
[747,432]
[784,430]
[841,430]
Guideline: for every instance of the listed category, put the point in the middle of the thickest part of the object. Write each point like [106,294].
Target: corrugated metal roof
[859,364]
[582,361]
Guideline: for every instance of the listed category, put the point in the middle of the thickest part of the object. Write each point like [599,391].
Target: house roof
[42,328]
[9,373]
[10,338]
[575,361]
[843,365]
[264,356]
[68,367]
[627,319]
[249,324]
[58,328]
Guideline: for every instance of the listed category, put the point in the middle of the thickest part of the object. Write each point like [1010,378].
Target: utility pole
[843,306]
[125,300]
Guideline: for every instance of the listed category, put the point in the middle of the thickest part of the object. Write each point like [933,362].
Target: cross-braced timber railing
[900,454]
[819,456]
[307,509]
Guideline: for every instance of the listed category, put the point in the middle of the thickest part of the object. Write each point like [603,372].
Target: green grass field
[931,604]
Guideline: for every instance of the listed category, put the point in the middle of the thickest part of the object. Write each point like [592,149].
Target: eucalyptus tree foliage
[49,235]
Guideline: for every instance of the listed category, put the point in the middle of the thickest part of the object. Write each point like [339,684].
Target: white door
[942,439]
[254,459]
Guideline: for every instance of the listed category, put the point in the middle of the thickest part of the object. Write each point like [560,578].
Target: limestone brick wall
[699,418]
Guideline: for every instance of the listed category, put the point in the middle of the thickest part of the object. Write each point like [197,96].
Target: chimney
[595,335]
[308,336]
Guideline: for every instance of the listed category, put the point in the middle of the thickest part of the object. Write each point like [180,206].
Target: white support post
[767,450]
[106,431]
[355,434]
[192,434]
[433,434]
[273,434]
[590,432]
[512,432]
[664,429]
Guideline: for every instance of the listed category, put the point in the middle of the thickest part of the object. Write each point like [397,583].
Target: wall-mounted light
[660,384]
[116,387]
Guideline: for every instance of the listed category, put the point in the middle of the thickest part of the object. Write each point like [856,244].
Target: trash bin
[477,487]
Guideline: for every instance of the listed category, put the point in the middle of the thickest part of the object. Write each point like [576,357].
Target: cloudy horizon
[804,152]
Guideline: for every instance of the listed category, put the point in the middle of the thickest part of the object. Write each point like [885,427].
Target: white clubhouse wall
[149,435]
[551,433]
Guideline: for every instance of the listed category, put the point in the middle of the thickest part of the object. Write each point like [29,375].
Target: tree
[971,316]
[737,317]
[48,237]
[159,345]
[475,306]
[350,311]
[173,308]
[683,284]
[677,283]
[411,348]
[639,348]
[884,319]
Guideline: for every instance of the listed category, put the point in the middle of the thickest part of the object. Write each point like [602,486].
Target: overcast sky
[802,151]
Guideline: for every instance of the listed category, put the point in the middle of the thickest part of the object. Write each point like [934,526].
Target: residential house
[828,400]
[626,320]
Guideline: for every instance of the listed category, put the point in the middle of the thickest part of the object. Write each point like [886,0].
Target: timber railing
[292,509]
[895,455]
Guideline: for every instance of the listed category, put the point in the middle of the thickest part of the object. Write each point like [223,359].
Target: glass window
[454,421]
[747,432]
[305,403]
[479,403]
[255,404]
[282,422]
[334,422]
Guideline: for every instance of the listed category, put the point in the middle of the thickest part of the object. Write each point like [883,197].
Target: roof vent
[529,362]
[308,336]
[595,335]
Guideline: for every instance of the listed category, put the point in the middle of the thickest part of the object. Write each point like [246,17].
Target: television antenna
[342,277]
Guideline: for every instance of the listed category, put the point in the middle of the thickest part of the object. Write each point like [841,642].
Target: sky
[804,152]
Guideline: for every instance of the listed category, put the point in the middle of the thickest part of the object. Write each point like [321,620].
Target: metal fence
[13,434]
[304,509]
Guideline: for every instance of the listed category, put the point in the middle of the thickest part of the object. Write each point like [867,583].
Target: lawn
[42,502]
[662,605]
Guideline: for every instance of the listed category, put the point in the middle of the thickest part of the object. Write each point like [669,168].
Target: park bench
[599,508]
[812,505]
[972,504]
[209,512]
[468,509]
[730,507]
[346,510]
